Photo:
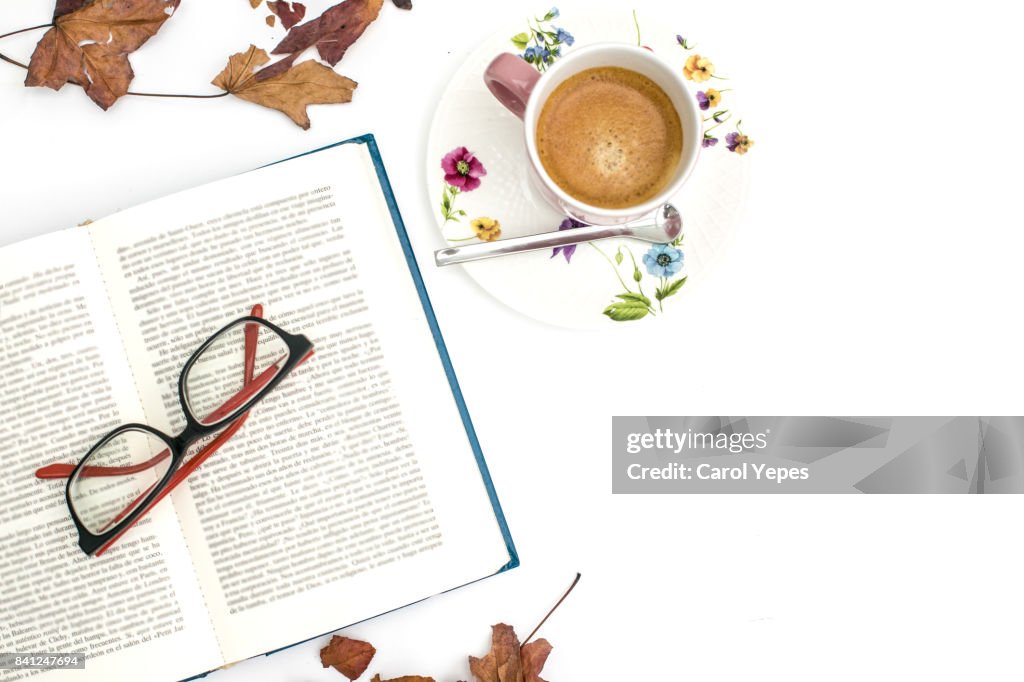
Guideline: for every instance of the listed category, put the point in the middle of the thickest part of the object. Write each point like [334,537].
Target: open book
[356,487]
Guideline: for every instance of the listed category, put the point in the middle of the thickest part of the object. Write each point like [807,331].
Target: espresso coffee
[610,137]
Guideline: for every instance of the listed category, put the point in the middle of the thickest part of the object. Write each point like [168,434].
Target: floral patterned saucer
[476,169]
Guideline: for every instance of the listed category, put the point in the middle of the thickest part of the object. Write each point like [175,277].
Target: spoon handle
[533,242]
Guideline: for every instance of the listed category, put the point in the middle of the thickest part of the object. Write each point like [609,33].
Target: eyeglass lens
[116,477]
[215,386]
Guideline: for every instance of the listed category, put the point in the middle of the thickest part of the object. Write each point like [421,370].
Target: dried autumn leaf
[90,42]
[290,13]
[332,32]
[507,661]
[403,4]
[502,663]
[535,655]
[350,657]
[403,678]
[289,91]
[255,3]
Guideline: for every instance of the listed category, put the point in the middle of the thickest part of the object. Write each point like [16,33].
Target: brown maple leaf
[535,655]
[502,663]
[290,13]
[90,42]
[507,661]
[403,678]
[350,657]
[332,32]
[288,90]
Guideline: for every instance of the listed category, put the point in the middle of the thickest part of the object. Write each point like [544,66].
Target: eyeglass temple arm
[65,470]
[251,387]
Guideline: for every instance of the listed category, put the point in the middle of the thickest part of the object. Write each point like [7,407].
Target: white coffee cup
[523,91]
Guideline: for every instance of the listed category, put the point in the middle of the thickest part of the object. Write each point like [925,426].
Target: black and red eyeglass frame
[233,412]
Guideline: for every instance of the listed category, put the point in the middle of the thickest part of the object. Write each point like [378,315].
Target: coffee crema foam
[610,137]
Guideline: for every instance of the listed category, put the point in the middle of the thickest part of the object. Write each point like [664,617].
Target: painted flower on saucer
[567,251]
[709,99]
[698,69]
[547,41]
[738,142]
[663,260]
[486,229]
[462,173]
[462,169]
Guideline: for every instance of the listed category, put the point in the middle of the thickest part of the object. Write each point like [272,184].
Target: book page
[65,384]
[352,489]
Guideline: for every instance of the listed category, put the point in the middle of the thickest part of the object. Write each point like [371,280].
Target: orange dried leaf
[271,20]
[535,655]
[288,90]
[507,661]
[350,657]
[89,45]
[255,3]
[502,663]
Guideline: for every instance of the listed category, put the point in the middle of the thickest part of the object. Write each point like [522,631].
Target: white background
[877,272]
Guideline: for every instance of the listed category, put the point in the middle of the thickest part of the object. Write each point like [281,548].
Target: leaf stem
[26,30]
[621,281]
[637,24]
[635,270]
[7,59]
[717,122]
[162,94]
[557,604]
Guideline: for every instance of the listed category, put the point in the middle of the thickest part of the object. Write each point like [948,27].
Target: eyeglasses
[134,466]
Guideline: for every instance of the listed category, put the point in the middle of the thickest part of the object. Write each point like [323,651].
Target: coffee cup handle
[511,80]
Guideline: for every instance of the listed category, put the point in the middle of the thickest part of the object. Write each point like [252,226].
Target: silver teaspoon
[666,226]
